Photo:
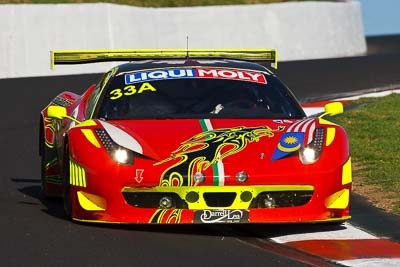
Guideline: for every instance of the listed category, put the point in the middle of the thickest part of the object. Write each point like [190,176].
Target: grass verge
[373,131]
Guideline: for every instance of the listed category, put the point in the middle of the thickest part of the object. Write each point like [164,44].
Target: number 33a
[130,90]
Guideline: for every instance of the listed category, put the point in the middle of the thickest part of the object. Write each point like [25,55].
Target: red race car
[193,136]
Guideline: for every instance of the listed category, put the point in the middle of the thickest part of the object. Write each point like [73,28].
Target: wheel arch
[41,135]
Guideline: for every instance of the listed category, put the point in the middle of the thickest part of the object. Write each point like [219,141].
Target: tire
[67,194]
[43,161]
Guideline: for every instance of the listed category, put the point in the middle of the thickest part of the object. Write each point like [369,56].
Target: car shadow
[52,206]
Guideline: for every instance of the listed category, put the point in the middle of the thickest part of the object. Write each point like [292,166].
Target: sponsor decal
[204,149]
[182,73]
[232,75]
[221,216]
[129,90]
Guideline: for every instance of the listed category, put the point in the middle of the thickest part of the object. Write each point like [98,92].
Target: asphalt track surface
[35,232]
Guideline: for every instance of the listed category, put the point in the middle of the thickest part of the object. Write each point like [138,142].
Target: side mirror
[57,112]
[332,109]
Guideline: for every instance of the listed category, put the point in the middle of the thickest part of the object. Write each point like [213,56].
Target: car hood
[175,150]
[213,139]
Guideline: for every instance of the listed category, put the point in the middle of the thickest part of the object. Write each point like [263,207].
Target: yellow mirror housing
[57,112]
[334,108]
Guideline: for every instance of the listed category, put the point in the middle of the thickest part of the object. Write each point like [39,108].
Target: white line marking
[372,262]
[348,233]
[312,111]
[316,110]
[378,94]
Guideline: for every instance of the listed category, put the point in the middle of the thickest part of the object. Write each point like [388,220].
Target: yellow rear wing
[63,57]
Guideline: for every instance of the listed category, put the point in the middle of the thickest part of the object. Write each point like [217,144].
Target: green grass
[373,131]
[154,3]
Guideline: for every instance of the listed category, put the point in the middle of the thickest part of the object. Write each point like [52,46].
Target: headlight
[311,153]
[308,155]
[118,153]
[122,155]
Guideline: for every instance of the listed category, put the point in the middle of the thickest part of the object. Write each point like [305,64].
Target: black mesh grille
[152,199]
[105,139]
[219,199]
[282,199]
[318,141]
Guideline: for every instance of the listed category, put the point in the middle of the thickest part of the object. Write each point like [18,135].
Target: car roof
[192,62]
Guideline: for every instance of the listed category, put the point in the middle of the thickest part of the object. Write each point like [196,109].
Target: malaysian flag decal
[298,134]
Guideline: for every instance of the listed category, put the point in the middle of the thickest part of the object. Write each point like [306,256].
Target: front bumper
[203,204]
[111,195]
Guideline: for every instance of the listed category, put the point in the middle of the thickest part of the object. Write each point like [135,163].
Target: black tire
[43,162]
[67,194]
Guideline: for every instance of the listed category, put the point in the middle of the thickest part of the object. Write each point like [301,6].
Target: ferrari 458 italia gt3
[193,136]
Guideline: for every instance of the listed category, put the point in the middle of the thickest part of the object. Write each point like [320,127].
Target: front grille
[152,199]
[208,197]
[282,199]
[219,199]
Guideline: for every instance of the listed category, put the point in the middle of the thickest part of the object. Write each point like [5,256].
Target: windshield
[197,93]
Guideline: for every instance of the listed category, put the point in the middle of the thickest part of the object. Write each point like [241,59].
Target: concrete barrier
[298,30]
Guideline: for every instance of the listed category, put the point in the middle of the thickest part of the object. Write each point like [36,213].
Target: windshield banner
[182,73]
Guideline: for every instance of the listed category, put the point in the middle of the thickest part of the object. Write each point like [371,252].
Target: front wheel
[44,159]
[67,194]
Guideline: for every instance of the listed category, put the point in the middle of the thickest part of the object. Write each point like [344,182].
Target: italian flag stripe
[218,167]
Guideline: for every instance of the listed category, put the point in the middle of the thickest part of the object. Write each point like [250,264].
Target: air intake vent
[219,199]
[77,175]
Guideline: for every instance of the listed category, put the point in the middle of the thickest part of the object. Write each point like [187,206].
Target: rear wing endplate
[63,57]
